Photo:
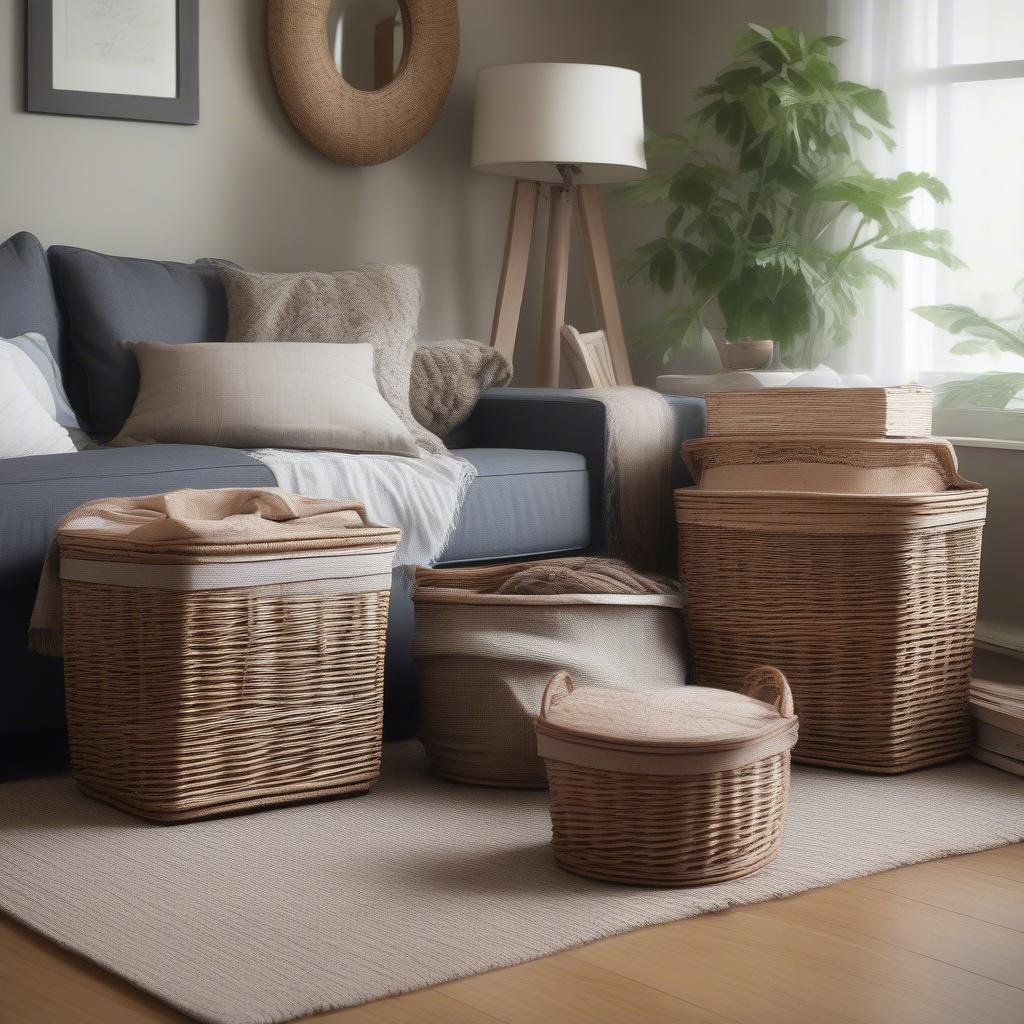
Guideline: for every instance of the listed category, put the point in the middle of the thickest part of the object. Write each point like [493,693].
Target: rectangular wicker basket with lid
[235,663]
[866,602]
[674,788]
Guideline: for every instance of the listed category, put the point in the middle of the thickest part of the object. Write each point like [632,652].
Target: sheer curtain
[954,74]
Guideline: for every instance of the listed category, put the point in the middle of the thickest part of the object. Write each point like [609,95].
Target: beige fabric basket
[685,787]
[867,603]
[824,465]
[202,685]
[483,660]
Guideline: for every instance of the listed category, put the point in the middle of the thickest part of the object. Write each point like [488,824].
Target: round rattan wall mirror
[357,126]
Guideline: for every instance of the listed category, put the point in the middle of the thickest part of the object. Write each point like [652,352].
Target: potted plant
[771,223]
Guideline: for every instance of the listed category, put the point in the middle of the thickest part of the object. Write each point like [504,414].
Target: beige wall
[241,184]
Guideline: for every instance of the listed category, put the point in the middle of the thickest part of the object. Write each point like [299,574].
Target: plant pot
[745,355]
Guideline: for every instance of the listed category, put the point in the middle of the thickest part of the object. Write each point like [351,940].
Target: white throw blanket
[422,496]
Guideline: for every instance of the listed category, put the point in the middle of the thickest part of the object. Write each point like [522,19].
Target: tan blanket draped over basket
[640,444]
[224,522]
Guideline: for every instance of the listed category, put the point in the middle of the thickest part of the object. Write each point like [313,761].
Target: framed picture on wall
[131,59]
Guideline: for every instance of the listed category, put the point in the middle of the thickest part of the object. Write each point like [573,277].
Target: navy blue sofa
[539,455]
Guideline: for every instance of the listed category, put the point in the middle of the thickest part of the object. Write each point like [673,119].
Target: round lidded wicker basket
[201,685]
[678,788]
[866,602]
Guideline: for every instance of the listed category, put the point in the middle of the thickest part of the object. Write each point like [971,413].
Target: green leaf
[910,181]
[691,190]
[673,219]
[832,40]
[989,391]
[716,270]
[872,101]
[976,346]
[801,83]
[932,243]
[964,320]
[739,80]
[662,270]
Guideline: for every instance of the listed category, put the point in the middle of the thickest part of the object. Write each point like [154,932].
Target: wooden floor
[937,943]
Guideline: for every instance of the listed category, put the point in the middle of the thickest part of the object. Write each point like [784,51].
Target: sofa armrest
[568,420]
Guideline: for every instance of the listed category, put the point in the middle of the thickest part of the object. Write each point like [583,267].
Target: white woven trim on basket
[361,572]
[455,595]
[683,762]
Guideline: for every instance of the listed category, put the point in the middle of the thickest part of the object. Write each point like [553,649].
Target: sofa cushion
[35,492]
[522,503]
[27,301]
[107,300]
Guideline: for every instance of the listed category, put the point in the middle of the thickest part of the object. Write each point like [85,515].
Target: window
[954,72]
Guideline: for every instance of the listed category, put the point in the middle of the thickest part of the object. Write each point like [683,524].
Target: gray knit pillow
[448,378]
[374,303]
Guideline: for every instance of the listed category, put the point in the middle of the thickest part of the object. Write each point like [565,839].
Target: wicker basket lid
[688,730]
[233,521]
[823,464]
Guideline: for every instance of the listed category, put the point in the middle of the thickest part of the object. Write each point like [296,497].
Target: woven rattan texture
[186,705]
[868,606]
[706,453]
[349,125]
[667,830]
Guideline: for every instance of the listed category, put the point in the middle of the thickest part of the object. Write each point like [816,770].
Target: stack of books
[904,411]
[997,724]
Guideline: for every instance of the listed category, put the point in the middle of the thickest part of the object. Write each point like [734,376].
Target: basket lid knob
[560,685]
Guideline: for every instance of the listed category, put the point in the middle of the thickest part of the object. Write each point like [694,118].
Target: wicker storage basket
[867,603]
[824,465]
[483,660]
[202,685]
[904,411]
[686,787]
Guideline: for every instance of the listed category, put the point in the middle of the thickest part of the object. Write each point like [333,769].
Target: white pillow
[34,363]
[27,426]
[241,395]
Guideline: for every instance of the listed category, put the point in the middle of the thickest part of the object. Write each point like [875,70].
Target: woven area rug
[274,915]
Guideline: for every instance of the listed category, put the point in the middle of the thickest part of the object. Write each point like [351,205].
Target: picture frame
[138,61]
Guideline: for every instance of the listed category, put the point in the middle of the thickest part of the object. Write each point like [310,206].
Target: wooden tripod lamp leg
[556,279]
[521,218]
[602,279]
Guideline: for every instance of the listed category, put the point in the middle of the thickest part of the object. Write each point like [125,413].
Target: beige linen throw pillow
[290,395]
[374,304]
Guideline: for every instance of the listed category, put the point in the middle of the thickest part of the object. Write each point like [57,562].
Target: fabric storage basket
[825,465]
[206,680]
[867,603]
[685,787]
[483,659]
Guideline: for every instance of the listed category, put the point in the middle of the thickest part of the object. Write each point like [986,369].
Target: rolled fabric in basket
[227,521]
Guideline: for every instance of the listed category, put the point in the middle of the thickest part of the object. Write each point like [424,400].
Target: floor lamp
[566,128]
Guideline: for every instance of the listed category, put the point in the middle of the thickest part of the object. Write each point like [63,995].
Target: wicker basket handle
[560,685]
[768,684]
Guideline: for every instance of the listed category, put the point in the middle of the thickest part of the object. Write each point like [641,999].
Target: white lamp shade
[531,117]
